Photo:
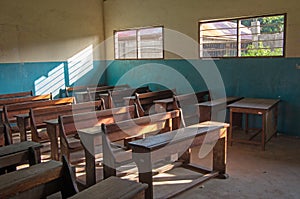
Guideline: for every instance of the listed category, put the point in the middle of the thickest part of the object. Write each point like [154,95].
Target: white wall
[49,30]
[183,16]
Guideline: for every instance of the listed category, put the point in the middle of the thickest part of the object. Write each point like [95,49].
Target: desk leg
[263,136]
[144,164]
[219,157]
[230,127]
[90,168]
[52,131]
[22,123]
[34,156]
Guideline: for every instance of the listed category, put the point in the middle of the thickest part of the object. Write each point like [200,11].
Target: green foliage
[272,24]
[261,50]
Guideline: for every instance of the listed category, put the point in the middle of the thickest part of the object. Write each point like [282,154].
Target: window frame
[237,38]
[137,55]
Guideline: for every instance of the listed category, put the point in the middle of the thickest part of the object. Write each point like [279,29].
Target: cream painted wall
[183,16]
[49,30]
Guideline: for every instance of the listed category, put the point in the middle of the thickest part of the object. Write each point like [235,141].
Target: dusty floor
[273,173]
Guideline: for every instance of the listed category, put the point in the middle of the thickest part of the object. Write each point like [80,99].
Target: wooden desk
[91,139]
[163,105]
[14,154]
[154,148]
[267,108]
[209,110]
[129,100]
[82,96]
[23,124]
[53,134]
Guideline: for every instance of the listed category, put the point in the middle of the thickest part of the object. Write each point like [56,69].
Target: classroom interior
[48,46]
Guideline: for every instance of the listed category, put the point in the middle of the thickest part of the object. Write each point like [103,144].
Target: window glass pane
[218,39]
[266,37]
[255,36]
[150,43]
[126,44]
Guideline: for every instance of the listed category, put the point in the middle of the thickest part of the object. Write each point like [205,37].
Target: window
[143,43]
[261,36]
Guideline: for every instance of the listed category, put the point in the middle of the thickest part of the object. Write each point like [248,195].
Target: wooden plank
[39,181]
[255,103]
[17,182]
[18,94]
[113,188]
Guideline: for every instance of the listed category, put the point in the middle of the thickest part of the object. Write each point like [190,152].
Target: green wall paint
[45,77]
[250,77]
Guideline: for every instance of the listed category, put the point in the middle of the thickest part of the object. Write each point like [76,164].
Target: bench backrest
[39,115]
[18,94]
[152,124]
[94,92]
[22,108]
[69,90]
[25,99]
[187,103]
[70,124]
[116,97]
[39,181]
[145,100]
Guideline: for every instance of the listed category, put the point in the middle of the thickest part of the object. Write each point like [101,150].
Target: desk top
[164,101]
[53,121]
[216,102]
[18,147]
[190,132]
[91,131]
[255,103]
[25,115]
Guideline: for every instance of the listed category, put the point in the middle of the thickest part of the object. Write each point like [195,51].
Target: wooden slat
[113,188]
[18,94]
[22,180]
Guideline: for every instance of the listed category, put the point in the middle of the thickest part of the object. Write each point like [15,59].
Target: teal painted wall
[45,77]
[249,77]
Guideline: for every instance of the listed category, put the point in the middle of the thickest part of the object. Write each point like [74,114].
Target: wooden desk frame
[147,150]
[269,120]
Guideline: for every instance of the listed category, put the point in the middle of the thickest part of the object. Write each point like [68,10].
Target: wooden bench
[24,99]
[38,116]
[113,188]
[5,138]
[19,153]
[178,143]
[91,139]
[145,101]
[70,90]
[70,124]
[20,113]
[116,97]
[135,128]
[39,181]
[20,100]
[15,95]
[186,103]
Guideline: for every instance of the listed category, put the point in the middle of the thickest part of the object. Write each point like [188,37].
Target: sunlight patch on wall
[80,64]
[52,83]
